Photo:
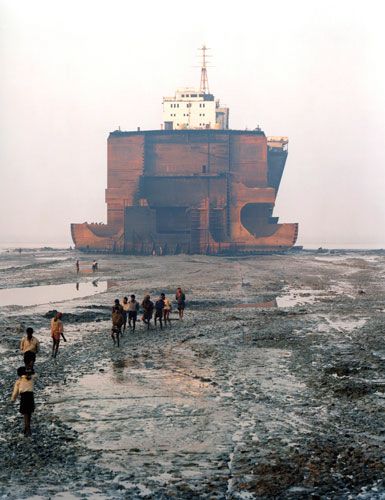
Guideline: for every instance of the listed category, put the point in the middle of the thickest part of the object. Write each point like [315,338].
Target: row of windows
[187,114]
[188,105]
[192,95]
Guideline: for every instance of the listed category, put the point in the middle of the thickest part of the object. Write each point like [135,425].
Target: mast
[204,86]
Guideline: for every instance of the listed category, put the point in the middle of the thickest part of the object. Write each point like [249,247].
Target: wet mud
[272,387]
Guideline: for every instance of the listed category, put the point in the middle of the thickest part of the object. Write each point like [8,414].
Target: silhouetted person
[77,267]
[159,306]
[148,309]
[180,298]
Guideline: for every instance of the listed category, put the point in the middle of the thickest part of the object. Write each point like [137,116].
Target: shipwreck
[194,186]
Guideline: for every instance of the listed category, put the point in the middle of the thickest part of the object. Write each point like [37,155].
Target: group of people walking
[128,310]
[24,385]
[123,314]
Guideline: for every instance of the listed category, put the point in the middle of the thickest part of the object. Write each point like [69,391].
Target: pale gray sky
[72,71]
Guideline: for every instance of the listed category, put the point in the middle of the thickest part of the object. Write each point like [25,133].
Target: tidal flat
[273,385]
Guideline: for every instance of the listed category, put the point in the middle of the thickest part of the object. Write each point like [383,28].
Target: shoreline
[267,401]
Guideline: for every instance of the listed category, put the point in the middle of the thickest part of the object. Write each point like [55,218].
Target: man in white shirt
[29,342]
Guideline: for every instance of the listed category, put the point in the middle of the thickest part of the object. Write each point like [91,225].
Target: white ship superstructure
[192,108]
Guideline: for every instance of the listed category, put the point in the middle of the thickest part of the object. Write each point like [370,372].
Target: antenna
[204,86]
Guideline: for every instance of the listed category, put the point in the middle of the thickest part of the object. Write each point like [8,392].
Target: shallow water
[44,294]
[163,421]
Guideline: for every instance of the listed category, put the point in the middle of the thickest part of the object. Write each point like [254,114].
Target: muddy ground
[272,387]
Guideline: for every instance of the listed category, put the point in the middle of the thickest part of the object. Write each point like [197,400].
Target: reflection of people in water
[95,282]
[77,285]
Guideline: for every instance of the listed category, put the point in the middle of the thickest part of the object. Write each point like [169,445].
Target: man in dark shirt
[159,306]
[148,308]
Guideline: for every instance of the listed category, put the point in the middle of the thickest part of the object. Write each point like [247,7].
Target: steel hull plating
[195,191]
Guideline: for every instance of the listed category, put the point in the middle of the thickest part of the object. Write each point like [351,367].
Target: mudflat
[273,386]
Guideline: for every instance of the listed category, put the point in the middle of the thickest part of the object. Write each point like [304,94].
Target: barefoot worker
[56,333]
[126,308]
[29,343]
[117,322]
[148,308]
[180,297]
[159,306]
[24,388]
[133,308]
[166,311]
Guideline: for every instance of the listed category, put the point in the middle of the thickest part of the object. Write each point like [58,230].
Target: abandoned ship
[194,186]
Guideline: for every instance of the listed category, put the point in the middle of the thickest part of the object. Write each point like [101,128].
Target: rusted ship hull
[191,191]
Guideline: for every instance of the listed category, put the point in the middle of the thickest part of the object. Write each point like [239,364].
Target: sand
[273,386]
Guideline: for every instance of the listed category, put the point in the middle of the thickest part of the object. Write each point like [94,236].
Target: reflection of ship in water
[195,186]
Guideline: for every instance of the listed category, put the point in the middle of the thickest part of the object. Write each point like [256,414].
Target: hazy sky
[72,71]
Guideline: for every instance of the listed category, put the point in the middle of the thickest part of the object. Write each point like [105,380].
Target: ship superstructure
[195,186]
[195,108]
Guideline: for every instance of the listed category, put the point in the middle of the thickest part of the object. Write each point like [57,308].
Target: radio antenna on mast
[204,86]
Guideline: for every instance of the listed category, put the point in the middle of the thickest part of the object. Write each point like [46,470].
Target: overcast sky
[72,71]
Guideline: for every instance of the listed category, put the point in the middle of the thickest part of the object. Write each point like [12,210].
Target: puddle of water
[290,299]
[267,304]
[298,297]
[44,294]
[130,406]
[341,325]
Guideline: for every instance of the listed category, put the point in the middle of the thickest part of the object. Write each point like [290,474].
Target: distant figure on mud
[126,308]
[133,308]
[24,388]
[148,309]
[159,306]
[180,298]
[56,333]
[94,266]
[166,311]
[117,322]
[29,343]
[77,267]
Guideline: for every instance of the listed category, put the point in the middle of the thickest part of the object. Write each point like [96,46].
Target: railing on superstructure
[277,143]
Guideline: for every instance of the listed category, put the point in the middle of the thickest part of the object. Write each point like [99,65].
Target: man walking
[133,308]
[30,343]
[159,306]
